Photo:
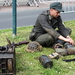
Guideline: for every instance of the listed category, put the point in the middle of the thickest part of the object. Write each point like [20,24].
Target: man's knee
[45,40]
[50,40]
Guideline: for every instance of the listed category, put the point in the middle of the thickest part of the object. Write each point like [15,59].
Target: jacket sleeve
[62,28]
[42,19]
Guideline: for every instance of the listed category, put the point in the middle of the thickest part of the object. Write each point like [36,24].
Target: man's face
[54,13]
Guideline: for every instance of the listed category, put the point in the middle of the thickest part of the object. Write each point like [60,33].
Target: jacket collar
[50,18]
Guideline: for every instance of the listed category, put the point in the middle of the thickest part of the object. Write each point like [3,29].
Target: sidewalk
[25,7]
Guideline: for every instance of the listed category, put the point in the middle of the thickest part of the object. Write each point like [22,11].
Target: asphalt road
[27,18]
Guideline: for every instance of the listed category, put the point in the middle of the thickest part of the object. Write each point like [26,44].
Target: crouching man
[44,31]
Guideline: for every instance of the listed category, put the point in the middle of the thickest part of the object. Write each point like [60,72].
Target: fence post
[14,15]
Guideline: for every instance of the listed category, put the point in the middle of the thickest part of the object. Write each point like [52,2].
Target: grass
[28,63]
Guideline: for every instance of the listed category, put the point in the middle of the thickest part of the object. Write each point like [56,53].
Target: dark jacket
[45,24]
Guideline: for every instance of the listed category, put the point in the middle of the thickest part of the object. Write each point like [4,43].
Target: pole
[14,15]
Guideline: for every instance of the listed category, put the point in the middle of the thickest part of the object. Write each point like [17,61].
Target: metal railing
[9,2]
[68,5]
[19,2]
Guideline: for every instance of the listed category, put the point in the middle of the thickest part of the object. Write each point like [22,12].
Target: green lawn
[28,63]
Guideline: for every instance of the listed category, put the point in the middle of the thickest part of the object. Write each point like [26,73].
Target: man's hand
[71,41]
[67,39]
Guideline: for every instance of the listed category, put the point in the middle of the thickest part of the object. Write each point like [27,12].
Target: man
[44,29]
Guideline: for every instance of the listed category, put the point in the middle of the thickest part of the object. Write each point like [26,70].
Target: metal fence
[22,2]
[9,2]
[68,5]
